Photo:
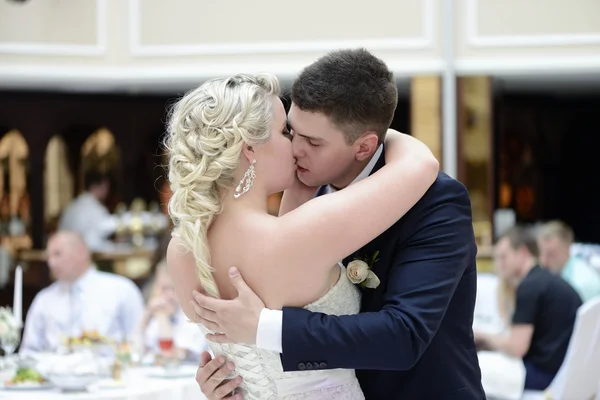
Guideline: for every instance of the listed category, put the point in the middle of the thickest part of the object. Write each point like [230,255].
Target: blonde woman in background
[164,327]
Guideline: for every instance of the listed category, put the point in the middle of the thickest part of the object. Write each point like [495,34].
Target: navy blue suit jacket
[413,338]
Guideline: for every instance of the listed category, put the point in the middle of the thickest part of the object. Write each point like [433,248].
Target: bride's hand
[296,195]
[234,321]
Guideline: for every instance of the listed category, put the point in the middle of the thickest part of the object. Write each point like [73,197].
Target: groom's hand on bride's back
[211,377]
[234,321]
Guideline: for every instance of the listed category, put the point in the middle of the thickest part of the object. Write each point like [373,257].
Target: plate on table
[26,386]
[26,379]
[182,371]
[111,384]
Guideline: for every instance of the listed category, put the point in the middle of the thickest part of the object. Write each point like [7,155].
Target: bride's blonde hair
[206,132]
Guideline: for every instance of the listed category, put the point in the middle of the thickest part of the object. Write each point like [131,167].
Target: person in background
[88,216]
[81,302]
[554,240]
[165,326]
[544,312]
[506,301]
[158,258]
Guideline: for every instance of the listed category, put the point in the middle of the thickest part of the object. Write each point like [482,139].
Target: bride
[229,149]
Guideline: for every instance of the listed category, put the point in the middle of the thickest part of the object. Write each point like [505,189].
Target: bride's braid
[207,129]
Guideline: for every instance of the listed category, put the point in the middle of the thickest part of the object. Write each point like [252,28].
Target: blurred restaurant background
[506,93]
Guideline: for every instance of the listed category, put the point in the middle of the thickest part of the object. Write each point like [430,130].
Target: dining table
[141,383]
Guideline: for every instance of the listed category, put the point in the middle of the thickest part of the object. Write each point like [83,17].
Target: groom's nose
[297,149]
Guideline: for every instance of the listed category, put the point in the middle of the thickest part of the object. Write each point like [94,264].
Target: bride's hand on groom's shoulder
[233,321]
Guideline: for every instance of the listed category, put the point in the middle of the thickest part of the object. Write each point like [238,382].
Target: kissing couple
[364,285]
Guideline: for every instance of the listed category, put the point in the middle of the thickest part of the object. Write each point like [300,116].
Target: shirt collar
[81,282]
[365,172]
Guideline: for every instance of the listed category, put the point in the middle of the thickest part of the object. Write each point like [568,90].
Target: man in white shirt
[81,299]
[88,216]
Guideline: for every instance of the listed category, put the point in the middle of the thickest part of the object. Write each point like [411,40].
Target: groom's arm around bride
[413,336]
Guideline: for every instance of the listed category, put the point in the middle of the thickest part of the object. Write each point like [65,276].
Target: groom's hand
[234,321]
[211,377]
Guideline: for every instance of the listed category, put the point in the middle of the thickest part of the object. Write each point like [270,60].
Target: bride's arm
[350,218]
[182,270]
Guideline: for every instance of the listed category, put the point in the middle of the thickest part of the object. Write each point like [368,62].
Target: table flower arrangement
[10,331]
[10,335]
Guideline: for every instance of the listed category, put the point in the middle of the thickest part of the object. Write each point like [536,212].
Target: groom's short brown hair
[352,87]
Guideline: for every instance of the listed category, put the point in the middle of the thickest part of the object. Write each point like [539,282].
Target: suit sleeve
[422,280]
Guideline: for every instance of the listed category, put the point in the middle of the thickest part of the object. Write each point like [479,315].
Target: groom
[413,338]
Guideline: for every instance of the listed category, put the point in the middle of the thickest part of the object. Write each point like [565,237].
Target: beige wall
[48,22]
[544,34]
[139,42]
[190,22]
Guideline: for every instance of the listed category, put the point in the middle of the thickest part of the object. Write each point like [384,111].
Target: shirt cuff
[270,327]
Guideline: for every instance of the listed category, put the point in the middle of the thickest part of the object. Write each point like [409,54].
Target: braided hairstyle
[206,132]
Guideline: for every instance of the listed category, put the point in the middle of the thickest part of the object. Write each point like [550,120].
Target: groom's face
[323,156]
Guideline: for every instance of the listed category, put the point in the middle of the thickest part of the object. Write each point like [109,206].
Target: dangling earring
[246,181]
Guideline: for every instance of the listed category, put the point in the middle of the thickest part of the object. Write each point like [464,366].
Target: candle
[18,295]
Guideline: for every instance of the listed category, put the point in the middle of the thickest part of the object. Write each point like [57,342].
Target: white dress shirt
[108,303]
[270,322]
[87,216]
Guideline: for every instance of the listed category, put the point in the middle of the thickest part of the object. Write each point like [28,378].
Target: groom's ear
[366,145]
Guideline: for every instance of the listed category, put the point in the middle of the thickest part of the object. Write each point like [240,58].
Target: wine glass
[167,351]
[9,343]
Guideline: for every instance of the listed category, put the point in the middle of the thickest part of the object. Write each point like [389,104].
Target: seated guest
[88,216]
[164,319]
[81,299]
[544,312]
[554,240]
[157,259]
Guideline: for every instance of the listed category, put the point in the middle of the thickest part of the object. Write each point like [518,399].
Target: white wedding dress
[263,375]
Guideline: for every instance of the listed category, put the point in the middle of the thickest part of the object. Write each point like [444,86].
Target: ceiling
[563,83]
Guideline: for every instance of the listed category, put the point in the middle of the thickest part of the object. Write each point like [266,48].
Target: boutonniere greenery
[360,272]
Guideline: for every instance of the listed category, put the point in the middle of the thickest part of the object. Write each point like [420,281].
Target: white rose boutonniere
[359,272]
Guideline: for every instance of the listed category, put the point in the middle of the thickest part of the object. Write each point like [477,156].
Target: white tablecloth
[140,386]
